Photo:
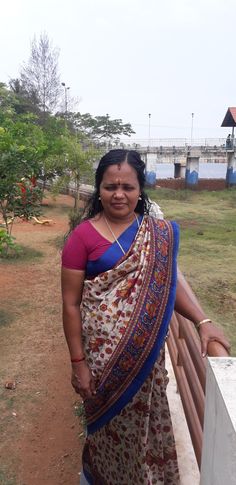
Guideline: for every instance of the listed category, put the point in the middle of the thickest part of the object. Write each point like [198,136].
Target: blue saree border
[113,254]
[88,477]
[135,385]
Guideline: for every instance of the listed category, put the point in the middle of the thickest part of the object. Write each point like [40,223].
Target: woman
[119,287]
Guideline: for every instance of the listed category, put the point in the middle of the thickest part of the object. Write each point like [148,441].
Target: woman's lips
[118,204]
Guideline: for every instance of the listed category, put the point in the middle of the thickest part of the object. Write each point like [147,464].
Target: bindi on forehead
[119,166]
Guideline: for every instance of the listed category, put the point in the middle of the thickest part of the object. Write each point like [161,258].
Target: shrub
[7,244]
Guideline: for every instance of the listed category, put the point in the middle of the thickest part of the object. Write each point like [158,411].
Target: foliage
[79,164]
[24,101]
[75,217]
[27,151]
[55,149]
[39,76]
[7,244]
[21,149]
[27,203]
[99,127]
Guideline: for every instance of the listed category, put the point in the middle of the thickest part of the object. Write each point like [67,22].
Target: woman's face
[119,191]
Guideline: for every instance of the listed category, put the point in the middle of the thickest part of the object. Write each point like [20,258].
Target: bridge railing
[169,142]
[190,370]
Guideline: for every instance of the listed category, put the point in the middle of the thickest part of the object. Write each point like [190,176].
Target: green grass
[6,318]
[25,254]
[5,479]
[207,254]
[58,241]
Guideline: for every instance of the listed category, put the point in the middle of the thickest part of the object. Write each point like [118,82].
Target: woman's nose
[119,193]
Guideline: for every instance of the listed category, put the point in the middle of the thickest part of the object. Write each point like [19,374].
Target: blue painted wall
[151,178]
[231,176]
[191,178]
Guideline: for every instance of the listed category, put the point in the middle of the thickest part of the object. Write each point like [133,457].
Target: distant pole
[192,129]
[107,137]
[65,93]
[149,128]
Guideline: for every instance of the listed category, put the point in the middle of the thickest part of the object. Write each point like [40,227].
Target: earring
[99,198]
[140,198]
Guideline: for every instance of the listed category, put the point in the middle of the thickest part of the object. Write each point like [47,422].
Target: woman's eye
[113,188]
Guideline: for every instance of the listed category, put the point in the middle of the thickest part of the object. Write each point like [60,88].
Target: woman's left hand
[209,332]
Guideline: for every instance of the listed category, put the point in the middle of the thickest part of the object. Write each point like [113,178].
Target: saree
[126,311]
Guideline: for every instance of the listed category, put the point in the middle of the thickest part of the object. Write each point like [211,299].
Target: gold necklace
[112,233]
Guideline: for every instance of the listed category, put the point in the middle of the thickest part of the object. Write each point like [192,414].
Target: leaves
[100,126]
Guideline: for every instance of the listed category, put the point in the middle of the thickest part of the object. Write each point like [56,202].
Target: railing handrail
[190,369]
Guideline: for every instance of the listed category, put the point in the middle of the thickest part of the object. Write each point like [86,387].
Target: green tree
[100,127]
[79,166]
[21,149]
[54,149]
[24,101]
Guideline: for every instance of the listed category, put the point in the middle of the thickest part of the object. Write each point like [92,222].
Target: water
[206,170]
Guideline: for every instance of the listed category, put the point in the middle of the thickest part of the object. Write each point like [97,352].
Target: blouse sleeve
[74,254]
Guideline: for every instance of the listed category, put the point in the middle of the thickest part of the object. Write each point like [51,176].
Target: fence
[190,370]
[169,142]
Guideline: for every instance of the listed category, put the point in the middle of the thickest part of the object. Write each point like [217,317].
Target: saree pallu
[126,312]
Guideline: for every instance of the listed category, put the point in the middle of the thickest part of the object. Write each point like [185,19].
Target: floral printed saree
[126,310]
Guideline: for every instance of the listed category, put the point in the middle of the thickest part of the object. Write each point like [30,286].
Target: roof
[230,117]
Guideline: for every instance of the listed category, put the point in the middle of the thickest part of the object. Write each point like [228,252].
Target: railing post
[231,168]
[192,169]
[219,435]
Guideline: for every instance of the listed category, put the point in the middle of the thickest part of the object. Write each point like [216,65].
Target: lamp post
[149,127]
[107,137]
[65,91]
[192,129]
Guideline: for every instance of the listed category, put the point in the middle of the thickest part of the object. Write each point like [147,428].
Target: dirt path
[40,441]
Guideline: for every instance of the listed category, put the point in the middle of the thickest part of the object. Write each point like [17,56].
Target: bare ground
[40,432]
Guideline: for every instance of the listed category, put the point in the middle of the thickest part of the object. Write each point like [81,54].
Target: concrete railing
[219,438]
[190,370]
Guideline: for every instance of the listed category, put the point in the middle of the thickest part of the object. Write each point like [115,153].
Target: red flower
[103,307]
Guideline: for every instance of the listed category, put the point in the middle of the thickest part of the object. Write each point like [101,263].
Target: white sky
[129,58]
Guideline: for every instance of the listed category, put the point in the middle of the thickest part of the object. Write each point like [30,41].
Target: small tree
[78,165]
[55,146]
[20,153]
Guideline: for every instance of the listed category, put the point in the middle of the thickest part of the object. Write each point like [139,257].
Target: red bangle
[77,360]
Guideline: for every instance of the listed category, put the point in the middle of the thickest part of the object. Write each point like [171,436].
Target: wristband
[77,360]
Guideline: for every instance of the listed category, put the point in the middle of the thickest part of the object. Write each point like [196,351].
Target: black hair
[113,157]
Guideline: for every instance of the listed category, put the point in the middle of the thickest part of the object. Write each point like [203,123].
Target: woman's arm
[188,306]
[72,287]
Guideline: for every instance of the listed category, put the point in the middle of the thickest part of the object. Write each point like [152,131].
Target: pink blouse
[84,244]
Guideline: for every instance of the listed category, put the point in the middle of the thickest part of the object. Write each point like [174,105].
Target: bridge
[168,150]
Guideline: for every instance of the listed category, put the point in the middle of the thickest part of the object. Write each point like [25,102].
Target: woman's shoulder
[85,232]
[80,232]
[82,226]
[164,222]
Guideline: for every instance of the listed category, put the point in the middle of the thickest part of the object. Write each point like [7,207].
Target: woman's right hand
[82,380]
